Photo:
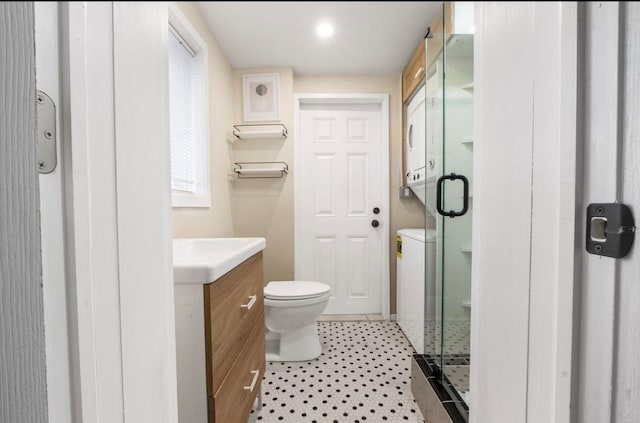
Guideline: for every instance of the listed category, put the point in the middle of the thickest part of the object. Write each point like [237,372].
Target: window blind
[185,115]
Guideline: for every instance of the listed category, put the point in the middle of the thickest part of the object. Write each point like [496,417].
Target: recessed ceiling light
[324,30]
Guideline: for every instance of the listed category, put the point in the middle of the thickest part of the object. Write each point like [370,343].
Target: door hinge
[46,133]
[610,229]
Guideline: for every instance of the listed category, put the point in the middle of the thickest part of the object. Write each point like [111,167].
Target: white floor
[363,375]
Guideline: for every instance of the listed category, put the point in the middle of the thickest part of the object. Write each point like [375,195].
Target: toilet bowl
[291,309]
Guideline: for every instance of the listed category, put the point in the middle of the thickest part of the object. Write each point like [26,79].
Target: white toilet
[291,309]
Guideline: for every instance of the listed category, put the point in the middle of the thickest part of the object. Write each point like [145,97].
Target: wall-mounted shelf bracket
[260,130]
[260,170]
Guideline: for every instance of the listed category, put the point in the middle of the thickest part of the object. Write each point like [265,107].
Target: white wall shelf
[467,141]
[468,87]
[260,170]
[466,248]
[254,131]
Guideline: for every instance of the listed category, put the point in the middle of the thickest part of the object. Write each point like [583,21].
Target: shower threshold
[445,397]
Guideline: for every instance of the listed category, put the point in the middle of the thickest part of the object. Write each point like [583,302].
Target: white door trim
[606,353]
[115,133]
[52,225]
[525,154]
[383,100]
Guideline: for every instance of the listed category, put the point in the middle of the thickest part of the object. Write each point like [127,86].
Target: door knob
[376,210]
[375,223]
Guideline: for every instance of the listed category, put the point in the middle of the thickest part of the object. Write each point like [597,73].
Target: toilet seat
[295,290]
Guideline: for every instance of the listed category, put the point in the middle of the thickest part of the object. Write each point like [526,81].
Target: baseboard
[392,317]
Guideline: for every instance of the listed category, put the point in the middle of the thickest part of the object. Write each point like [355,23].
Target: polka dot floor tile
[456,337]
[459,377]
[363,375]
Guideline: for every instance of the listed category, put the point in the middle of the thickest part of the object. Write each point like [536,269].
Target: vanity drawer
[234,399]
[234,306]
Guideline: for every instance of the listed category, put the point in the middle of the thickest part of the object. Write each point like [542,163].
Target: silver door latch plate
[610,229]
[46,133]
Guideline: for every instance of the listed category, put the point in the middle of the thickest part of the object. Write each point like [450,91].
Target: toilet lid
[294,290]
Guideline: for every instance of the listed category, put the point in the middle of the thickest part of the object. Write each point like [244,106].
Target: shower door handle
[465,195]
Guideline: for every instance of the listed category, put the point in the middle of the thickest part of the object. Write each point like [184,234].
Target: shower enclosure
[449,201]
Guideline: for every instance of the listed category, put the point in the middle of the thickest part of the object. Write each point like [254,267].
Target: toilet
[291,309]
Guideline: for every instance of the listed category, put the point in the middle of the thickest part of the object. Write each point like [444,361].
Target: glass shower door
[455,209]
[449,159]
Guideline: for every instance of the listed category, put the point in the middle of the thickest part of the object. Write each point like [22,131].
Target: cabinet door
[234,399]
[414,72]
[234,305]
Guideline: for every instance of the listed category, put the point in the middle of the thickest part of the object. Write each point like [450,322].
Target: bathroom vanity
[219,307]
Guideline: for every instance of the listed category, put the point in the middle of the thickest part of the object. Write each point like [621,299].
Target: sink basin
[204,260]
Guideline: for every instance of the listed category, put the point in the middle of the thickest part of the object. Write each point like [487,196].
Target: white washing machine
[415,299]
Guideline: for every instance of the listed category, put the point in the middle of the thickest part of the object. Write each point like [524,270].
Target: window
[188,123]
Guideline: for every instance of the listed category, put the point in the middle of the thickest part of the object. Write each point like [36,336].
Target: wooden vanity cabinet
[235,342]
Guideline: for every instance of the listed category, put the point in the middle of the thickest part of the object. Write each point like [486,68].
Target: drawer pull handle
[255,374]
[252,301]
[418,73]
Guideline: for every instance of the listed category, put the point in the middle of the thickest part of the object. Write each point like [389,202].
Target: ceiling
[369,37]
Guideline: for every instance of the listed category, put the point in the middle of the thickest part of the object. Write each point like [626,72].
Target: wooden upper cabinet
[414,72]
[428,50]
[441,25]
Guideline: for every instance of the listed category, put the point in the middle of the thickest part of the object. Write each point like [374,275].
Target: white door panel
[342,182]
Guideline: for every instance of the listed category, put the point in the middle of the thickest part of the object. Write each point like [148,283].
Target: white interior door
[341,181]
[52,225]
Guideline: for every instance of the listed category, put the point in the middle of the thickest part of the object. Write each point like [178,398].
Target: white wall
[264,207]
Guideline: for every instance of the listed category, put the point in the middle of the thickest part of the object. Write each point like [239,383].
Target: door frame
[118,242]
[606,357]
[525,283]
[383,101]
[52,223]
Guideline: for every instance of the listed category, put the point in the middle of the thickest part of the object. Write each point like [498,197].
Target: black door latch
[610,229]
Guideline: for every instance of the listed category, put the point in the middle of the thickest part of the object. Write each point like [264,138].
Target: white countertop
[204,260]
